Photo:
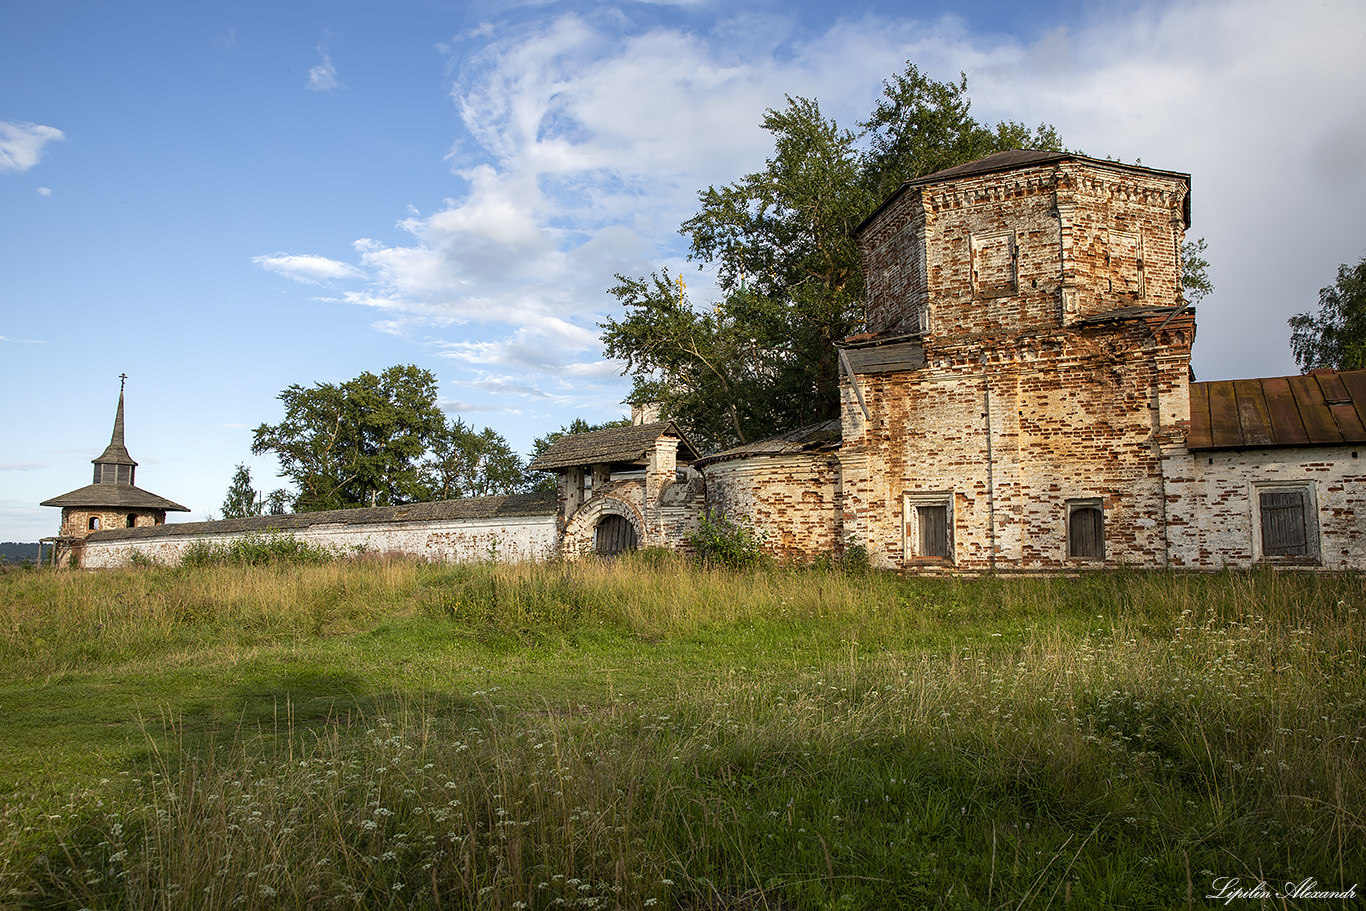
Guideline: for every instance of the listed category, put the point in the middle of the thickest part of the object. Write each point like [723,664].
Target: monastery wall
[1215,505]
[791,500]
[509,538]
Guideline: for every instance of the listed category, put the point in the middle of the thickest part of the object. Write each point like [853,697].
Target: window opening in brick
[1085,530]
[132,519]
[928,526]
[94,523]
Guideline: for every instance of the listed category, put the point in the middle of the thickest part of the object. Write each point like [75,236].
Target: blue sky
[223,199]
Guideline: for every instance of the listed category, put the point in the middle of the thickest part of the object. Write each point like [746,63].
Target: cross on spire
[123,378]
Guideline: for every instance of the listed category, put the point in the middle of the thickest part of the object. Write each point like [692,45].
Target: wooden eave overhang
[1321,408]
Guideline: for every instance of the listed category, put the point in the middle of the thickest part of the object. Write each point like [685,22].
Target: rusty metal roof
[616,445]
[1322,408]
[823,437]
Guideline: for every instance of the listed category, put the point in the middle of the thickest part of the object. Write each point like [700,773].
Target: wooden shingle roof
[115,496]
[616,445]
[825,436]
[1322,408]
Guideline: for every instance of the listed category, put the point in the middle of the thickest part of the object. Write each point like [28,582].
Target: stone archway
[581,533]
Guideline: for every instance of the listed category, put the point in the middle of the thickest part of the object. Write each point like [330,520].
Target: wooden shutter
[934,530]
[1284,531]
[1086,533]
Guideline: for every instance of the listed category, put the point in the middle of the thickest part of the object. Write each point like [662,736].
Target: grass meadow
[647,733]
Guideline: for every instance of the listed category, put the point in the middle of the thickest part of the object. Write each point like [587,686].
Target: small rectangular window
[927,526]
[934,531]
[1085,530]
[1287,523]
[1283,524]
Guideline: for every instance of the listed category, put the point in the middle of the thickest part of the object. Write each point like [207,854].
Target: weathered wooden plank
[1318,420]
[1285,416]
[1349,423]
[1199,435]
[1253,416]
[1225,431]
[886,358]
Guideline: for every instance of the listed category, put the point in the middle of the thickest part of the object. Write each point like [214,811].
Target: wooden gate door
[614,535]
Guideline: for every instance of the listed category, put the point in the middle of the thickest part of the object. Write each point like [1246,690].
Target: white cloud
[585,143]
[21,341]
[307,268]
[44,191]
[21,144]
[323,77]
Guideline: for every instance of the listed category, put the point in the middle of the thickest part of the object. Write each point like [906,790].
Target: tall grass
[1119,740]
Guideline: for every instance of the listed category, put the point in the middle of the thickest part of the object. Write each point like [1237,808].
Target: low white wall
[1211,511]
[507,539]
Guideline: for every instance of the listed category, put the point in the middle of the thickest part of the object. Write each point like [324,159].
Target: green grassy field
[648,734]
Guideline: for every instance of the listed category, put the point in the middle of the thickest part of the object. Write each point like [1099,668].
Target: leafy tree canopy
[464,462]
[1336,336]
[357,443]
[761,360]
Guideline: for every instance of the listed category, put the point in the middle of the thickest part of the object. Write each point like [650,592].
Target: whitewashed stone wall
[507,539]
[1213,518]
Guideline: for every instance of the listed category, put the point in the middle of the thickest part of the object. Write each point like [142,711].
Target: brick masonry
[1021,403]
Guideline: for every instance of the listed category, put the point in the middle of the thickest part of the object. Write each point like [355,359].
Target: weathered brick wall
[893,250]
[792,500]
[76,520]
[1007,433]
[1212,509]
[1024,250]
[510,539]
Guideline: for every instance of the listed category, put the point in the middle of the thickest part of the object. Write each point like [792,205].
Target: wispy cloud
[323,77]
[22,466]
[586,138]
[22,341]
[44,191]
[307,268]
[21,144]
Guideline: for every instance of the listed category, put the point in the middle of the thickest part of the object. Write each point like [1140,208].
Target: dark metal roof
[1322,408]
[1010,160]
[541,503]
[614,445]
[117,496]
[823,437]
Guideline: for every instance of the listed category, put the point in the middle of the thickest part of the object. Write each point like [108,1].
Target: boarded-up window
[993,265]
[125,474]
[614,535]
[1085,531]
[1285,531]
[1126,264]
[928,526]
[934,531]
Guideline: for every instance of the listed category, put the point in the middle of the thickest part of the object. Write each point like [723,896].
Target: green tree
[762,359]
[1195,271]
[357,443]
[242,499]
[1336,336]
[464,462]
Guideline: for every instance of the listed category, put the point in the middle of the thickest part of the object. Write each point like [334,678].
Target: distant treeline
[14,552]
